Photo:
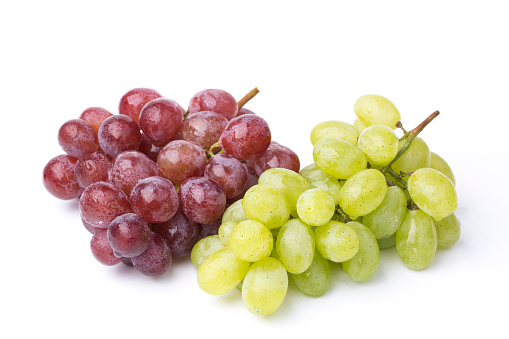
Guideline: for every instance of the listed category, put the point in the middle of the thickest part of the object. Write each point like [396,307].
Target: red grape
[228,172]
[210,229]
[180,233]
[243,111]
[59,179]
[102,250]
[277,156]
[130,167]
[181,159]
[133,101]
[155,199]
[90,228]
[102,202]
[156,259]
[203,200]
[77,138]
[215,100]
[149,149]
[203,128]
[95,117]
[128,235]
[118,134]
[246,137]
[92,168]
[160,120]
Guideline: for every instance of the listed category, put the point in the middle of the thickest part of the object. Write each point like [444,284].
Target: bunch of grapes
[155,179]
[367,190]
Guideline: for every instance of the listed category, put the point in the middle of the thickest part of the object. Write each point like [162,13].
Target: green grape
[433,193]
[363,193]
[264,287]
[338,158]
[336,241]
[386,218]
[235,212]
[314,281]
[318,179]
[441,165]
[251,241]
[365,263]
[266,204]
[334,129]
[295,246]
[416,240]
[290,183]
[448,231]
[415,157]
[359,125]
[387,242]
[224,231]
[221,272]
[380,144]
[315,207]
[374,109]
[204,248]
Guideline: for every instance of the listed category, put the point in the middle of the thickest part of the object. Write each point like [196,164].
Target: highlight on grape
[157,182]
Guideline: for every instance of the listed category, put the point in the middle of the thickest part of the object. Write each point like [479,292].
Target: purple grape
[77,138]
[203,200]
[160,120]
[276,156]
[128,235]
[130,167]
[215,100]
[59,178]
[210,229]
[246,137]
[228,172]
[133,101]
[180,233]
[155,199]
[181,159]
[156,259]
[147,148]
[101,249]
[243,111]
[92,168]
[203,128]
[102,202]
[119,133]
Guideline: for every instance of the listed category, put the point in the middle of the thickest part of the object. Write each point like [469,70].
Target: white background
[311,61]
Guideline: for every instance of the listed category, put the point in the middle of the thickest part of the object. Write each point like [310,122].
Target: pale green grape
[363,193]
[318,179]
[315,207]
[441,165]
[379,143]
[448,231]
[338,158]
[290,183]
[387,242]
[359,125]
[415,157]
[433,192]
[314,281]
[416,240]
[221,272]
[386,218]
[205,247]
[374,109]
[264,287]
[365,263]
[334,129]
[251,241]
[235,212]
[295,246]
[336,241]
[267,205]
[224,231]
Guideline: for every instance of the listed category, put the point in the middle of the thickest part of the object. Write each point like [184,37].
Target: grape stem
[345,216]
[400,125]
[248,97]
[214,149]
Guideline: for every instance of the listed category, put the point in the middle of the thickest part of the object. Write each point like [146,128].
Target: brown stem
[248,97]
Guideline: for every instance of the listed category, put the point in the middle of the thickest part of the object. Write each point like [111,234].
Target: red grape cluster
[155,178]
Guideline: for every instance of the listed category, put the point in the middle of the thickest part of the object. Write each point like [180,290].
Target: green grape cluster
[366,191]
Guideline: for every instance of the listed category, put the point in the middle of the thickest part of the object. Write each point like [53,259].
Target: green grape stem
[345,216]
[400,125]
[214,150]
[248,97]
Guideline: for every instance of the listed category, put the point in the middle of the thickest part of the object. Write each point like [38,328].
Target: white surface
[310,60]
